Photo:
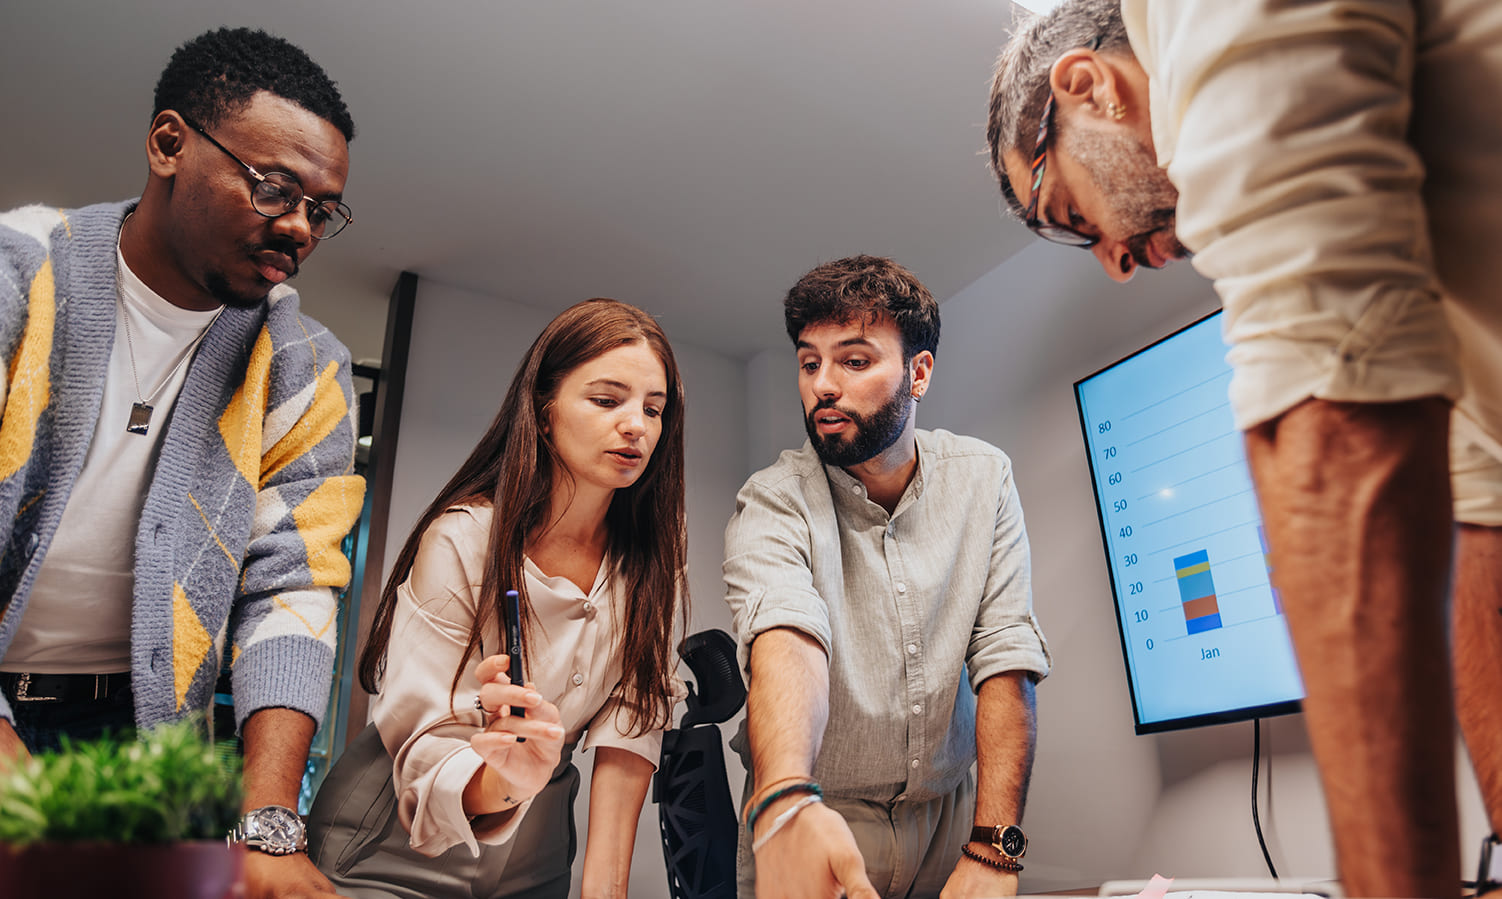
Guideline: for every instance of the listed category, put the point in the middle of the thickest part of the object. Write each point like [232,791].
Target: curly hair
[865,288]
[1020,86]
[215,75]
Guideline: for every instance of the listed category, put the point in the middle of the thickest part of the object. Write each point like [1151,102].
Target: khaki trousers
[910,848]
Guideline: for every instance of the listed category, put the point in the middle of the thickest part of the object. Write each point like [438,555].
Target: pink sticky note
[1157,888]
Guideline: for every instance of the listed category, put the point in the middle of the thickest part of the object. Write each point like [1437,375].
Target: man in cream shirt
[1328,166]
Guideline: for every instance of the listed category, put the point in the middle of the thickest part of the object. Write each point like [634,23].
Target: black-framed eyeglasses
[275,194]
[1050,231]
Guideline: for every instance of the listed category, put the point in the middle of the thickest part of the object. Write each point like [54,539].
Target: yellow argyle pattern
[28,379]
[264,440]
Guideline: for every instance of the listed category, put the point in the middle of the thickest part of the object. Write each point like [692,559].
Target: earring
[1115,111]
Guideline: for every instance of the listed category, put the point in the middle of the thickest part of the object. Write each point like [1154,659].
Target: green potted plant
[123,817]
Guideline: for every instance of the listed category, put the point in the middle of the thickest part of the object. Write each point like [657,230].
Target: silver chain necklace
[140,411]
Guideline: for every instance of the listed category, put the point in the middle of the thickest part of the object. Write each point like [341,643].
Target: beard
[1141,199]
[218,288]
[872,435]
[218,285]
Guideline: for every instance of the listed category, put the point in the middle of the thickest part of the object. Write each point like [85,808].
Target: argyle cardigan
[254,489]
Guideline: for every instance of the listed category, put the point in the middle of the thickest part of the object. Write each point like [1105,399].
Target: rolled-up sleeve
[1006,636]
[1284,127]
[769,581]
[611,726]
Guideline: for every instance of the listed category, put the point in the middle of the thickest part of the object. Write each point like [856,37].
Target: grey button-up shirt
[905,605]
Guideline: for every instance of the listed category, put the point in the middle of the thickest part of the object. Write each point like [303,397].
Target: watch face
[1012,842]
[275,829]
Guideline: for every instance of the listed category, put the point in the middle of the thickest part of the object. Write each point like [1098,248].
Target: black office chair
[700,826]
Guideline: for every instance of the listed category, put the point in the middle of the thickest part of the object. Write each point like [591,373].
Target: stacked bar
[1197,592]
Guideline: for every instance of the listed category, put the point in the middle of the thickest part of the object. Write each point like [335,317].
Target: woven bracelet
[806,786]
[1008,865]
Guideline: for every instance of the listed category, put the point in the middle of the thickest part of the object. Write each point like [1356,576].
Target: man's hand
[814,856]
[285,877]
[12,750]
[973,879]
[276,751]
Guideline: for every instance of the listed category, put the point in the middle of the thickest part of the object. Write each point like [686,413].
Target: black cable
[1483,883]
[1256,821]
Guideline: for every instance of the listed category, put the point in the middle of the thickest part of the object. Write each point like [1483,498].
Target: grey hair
[1020,88]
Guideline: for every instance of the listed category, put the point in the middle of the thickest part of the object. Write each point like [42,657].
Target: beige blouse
[574,661]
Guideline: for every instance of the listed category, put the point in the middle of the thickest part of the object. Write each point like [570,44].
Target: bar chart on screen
[1201,625]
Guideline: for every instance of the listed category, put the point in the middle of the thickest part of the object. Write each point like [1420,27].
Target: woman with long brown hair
[573,498]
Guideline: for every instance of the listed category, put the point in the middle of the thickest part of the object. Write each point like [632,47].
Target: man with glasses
[176,444]
[1328,165]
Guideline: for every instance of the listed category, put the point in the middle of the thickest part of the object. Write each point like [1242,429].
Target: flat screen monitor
[1202,629]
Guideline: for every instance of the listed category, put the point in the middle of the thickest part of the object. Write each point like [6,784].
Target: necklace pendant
[140,418]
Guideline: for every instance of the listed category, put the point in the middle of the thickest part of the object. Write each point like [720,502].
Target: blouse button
[578,679]
[588,607]
[901,587]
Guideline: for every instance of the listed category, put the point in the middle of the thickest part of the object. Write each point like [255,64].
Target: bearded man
[1326,163]
[880,583]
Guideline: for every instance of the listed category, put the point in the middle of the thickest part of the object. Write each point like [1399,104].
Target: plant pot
[197,870]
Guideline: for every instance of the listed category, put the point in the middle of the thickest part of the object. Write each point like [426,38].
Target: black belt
[25,686]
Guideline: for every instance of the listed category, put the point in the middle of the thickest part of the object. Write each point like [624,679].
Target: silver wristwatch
[272,829]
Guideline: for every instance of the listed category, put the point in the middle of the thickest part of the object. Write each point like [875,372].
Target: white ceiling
[691,156]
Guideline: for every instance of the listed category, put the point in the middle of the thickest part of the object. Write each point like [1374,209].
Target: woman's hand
[522,768]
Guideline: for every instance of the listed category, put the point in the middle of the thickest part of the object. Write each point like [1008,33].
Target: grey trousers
[910,848]
[357,841]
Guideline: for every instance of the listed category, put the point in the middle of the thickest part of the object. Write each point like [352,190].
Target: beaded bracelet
[1007,865]
[781,820]
[805,786]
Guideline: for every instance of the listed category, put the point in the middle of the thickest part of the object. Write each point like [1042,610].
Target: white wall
[1013,343]
[465,348]
[353,308]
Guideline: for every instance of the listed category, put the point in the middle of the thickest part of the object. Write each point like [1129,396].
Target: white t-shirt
[78,618]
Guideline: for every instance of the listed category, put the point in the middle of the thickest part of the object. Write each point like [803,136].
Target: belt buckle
[23,690]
